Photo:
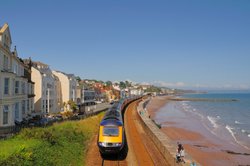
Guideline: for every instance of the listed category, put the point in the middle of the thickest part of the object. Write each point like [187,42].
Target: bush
[61,144]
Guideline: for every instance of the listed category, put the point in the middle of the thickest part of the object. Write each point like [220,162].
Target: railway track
[139,150]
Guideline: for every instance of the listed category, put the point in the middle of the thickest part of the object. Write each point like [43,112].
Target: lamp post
[48,96]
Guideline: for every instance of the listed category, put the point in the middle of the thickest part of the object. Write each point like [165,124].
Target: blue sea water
[226,120]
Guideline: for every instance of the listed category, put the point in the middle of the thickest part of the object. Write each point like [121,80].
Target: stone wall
[166,146]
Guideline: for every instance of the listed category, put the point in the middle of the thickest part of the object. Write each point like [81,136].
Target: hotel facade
[14,86]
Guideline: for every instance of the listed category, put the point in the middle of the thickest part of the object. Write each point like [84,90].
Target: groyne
[203,99]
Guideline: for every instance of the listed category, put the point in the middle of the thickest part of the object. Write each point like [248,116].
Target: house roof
[4,28]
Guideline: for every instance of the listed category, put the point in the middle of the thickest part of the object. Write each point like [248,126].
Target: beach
[198,143]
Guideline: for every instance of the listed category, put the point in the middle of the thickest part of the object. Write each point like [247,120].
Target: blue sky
[184,44]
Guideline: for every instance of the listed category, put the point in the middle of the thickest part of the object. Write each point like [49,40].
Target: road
[140,150]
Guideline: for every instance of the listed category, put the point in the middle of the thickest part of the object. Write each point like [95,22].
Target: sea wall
[165,145]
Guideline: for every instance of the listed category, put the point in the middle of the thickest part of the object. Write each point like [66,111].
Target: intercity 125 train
[111,137]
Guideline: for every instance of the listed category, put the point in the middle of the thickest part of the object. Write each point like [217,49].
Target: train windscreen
[110,131]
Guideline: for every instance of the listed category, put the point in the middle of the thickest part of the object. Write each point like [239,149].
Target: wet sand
[156,103]
[197,146]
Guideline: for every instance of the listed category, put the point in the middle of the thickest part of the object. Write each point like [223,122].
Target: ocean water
[224,121]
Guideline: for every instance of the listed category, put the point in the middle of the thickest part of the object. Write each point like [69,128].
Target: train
[111,136]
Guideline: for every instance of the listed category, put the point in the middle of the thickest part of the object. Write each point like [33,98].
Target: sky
[179,44]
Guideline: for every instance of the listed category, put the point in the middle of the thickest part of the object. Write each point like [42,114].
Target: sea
[225,121]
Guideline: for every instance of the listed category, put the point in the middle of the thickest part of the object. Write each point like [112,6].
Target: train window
[110,131]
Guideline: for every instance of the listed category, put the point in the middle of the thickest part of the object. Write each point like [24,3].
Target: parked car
[34,121]
[59,118]
[44,122]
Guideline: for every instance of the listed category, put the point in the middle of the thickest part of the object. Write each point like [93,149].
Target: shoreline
[204,151]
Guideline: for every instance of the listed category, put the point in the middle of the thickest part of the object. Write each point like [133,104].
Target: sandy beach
[201,149]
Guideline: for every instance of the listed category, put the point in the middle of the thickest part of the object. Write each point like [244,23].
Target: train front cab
[111,136]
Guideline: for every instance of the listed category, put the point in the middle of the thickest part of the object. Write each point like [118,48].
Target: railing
[5,131]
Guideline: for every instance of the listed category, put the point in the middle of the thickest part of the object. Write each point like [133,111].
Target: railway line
[139,149]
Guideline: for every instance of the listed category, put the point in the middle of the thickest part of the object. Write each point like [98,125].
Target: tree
[108,83]
[153,89]
[72,105]
[122,85]
[128,84]
[78,79]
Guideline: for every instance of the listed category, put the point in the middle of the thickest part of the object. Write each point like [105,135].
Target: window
[32,89]
[15,68]
[31,104]
[28,104]
[6,86]
[5,114]
[17,87]
[17,111]
[5,62]
[23,88]
[13,86]
[23,107]
[110,131]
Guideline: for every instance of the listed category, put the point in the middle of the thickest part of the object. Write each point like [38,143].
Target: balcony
[31,95]
[6,70]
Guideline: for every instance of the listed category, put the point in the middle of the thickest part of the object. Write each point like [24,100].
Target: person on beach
[180,153]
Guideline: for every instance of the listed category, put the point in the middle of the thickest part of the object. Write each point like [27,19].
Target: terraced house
[47,89]
[13,84]
[68,87]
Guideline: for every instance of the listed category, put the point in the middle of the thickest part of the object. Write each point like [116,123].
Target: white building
[135,92]
[46,89]
[13,84]
[68,84]
[86,100]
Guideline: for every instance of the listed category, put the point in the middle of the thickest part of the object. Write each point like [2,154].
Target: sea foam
[213,121]
[237,122]
[230,129]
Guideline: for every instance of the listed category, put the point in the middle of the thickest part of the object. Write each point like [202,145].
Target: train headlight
[117,144]
[102,144]
[105,144]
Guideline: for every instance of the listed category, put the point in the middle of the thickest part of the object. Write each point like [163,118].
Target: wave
[237,122]
[213,121]
[230,129]
[247,133]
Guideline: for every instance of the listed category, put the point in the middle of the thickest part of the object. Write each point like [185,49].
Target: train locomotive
[111,137]
[111,132]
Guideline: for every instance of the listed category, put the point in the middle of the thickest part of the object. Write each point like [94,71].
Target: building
[68,86]
[30,89]
[46,89]
[86,99]
[135,92]
[13,83]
